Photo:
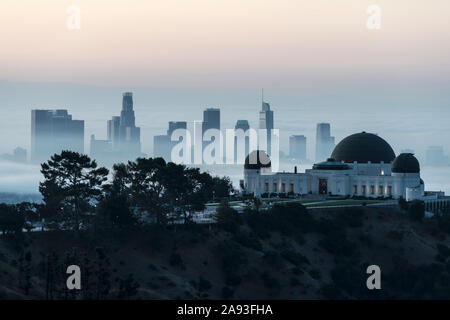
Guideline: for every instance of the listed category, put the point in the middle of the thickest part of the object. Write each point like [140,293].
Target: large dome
[362,148]
[256,160]
[406,163]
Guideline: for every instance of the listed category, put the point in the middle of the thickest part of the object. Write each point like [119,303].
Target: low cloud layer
[20,178]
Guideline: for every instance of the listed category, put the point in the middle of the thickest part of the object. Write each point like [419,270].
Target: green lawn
[342,203]
[307,203]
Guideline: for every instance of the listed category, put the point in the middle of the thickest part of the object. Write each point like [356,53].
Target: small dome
[256,160]
[362,148]
[406,163]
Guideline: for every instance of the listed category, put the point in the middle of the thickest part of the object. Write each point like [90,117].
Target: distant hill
[291,253]
[14,198]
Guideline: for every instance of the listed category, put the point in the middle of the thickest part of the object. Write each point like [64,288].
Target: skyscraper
[174,125]
[211,120]
[324,142]
[162,144]
[113,131]
[244,126]
[100,149]
[297,147]
[123,140]
[266,122]
[53,131]
[129,134]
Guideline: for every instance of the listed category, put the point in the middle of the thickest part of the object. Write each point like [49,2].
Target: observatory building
[362,164]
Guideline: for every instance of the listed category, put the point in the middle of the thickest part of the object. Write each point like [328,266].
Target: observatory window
[291,188]
[363,191]
[266,187]
[283,187]
[380,189]
[372,189]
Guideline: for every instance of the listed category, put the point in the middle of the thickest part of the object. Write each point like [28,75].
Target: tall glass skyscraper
[113,131]
[129,134]
[324,141]
[244,126]
[266,122]
[297,147]
[53,131]
[211,120]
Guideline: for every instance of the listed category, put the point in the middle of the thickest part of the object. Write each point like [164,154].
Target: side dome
[256,160]
[406,163]
[362,148]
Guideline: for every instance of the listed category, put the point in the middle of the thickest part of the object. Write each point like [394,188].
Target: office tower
[123,140]
[100,149]
[244,126]
[129,134]
[324,142]
[162,144]
[297,147]
[435,156]
[113,131]
[174,125]
[266,122]
[211,120]
[53,131]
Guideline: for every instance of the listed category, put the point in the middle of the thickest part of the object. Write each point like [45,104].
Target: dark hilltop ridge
[286,252]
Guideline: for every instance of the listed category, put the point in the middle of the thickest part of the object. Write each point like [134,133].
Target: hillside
[290,253]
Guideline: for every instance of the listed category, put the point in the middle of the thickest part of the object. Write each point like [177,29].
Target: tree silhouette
[72,184]
[156,188]
[143,182]
[11,221]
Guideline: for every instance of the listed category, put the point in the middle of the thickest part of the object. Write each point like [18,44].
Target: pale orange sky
[221,42]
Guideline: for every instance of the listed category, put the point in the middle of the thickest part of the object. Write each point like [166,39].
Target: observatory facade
[362,164]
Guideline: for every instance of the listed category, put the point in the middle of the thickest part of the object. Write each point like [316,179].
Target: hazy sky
[316,59]
[203,43]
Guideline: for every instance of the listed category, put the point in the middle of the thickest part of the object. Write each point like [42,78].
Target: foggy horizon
[394,116]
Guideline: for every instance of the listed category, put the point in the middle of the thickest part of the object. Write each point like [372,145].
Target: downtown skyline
[227,121]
